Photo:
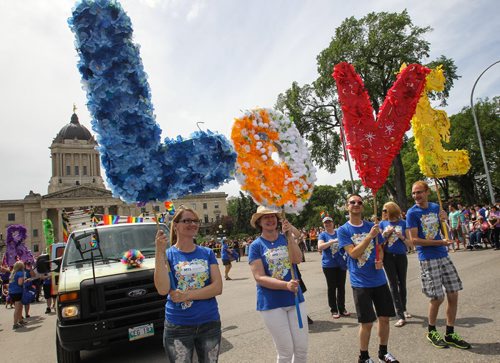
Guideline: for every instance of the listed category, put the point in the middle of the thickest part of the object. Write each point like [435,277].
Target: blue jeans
[180,341]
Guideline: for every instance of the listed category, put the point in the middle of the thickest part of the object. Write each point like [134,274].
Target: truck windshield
[109,244]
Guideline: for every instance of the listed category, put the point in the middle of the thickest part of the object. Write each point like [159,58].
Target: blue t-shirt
[428,224]
[362,271]
[224,251]
[332,256]
[274,257]
[191,271]
[14,287]
[394,243]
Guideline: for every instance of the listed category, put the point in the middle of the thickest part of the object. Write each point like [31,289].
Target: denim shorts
[180,341]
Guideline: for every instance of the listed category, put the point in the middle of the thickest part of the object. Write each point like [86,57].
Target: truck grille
[117,296]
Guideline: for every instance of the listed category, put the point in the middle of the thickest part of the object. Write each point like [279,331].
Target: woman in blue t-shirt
[16,283]
[192,319]
[395,261]
[271,263]
[334,267]
[226,256]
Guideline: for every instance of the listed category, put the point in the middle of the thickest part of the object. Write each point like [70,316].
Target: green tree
[472,186]
[240,210]
[377,45]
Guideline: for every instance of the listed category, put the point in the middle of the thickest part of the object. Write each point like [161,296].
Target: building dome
[73,130]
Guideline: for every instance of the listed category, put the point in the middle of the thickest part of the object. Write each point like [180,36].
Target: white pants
[290,341]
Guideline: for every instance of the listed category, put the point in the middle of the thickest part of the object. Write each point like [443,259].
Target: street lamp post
[483,155]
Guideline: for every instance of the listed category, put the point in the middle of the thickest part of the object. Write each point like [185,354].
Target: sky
[207,61]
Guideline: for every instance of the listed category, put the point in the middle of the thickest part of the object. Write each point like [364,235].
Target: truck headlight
[70,311]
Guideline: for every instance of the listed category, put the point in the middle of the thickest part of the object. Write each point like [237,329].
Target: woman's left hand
[179,296]
[286,226]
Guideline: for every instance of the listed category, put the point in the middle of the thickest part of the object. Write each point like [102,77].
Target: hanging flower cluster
[430,126]
[373,144]
[132,258]
[138,166]
[260,137]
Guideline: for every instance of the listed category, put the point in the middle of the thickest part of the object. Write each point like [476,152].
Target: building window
[77,170]
[35,233]
[206,218]
[205,206]
[216,205]
[35,248]
[11,217]
[84,170]
[68,170]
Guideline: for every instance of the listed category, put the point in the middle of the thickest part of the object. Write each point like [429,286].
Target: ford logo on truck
[136,293]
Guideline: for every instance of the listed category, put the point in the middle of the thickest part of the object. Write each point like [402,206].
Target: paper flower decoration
[132,258]
[138,166]
[430,126]
[286,183]
[373,144]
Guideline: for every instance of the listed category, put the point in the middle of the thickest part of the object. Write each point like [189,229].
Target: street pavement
[245,339]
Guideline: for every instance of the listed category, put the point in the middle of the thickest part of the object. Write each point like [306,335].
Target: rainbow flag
[110,219]
[93,242]
[170,208]
[134,219]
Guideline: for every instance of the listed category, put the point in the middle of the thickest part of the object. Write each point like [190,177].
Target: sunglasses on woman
[358,202]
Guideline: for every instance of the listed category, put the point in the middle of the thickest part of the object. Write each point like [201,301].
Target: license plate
[142,331]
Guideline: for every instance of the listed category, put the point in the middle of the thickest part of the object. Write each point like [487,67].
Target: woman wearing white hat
[271,261]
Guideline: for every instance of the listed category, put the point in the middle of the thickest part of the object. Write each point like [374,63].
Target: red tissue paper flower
[373,143]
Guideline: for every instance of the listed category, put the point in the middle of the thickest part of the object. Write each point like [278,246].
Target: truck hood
[72,276]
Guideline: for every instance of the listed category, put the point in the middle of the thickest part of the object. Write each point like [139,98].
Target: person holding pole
[438,274]
[361,239]
[271,257]
[192,319]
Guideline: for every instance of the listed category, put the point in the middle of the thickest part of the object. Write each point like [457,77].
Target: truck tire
[65,356]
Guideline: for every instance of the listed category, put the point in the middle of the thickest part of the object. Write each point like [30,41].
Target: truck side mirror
[58,262]
[43,264]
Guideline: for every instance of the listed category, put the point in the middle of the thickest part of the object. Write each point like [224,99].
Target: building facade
[76,184]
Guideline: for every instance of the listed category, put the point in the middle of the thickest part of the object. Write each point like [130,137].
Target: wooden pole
[377,250]
[173,285]
[292,270]
[443,224]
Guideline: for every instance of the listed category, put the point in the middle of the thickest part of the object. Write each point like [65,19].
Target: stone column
[58,225]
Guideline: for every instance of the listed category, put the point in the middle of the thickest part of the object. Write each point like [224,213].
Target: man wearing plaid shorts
[438,272]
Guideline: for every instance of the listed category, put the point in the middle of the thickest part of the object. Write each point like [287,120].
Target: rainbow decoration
[93,242]
[132,258]
[110,219]
[135,219]
[323,214]
[170,208]
[430,127]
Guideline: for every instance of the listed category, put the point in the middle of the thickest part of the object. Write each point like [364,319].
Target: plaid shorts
[438,274]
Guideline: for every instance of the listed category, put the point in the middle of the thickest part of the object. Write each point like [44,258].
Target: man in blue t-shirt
[361,240]
[438,271]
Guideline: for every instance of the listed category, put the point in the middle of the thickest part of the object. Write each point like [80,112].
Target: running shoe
[388,358]
[369,360]
[407,315]
[335,315]
[455,340]
[436,340]
[345,313]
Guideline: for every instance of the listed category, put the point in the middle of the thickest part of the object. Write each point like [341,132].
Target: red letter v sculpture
[373,144]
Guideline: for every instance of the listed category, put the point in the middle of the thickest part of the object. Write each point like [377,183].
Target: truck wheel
[65,356]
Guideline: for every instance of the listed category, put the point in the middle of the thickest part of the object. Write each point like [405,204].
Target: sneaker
[400,323]
[455,340]
[16,326]
[345,313]
[369,360]
[407,315]
[22,322]
[335,315]
[388,358]
[47,311]
[436,340]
